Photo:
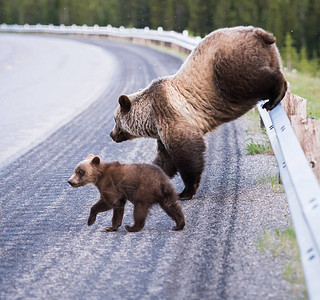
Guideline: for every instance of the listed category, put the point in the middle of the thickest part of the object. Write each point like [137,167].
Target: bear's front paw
[91,220]
[270,105]
[110,229]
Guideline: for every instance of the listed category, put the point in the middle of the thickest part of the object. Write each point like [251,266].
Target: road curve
[44,84]
[47,251]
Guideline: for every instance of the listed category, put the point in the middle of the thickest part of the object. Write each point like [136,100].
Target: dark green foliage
[299,18]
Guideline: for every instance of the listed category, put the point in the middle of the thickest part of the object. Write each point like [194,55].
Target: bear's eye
[80,172]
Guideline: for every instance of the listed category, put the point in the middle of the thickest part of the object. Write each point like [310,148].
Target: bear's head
[86,172]
[119,132]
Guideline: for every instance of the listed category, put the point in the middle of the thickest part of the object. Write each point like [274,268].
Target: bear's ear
[125,103]
[95,160]
[90,156]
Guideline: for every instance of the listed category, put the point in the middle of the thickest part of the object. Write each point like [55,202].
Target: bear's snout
[71,183]
[120,136]
[116,137]
[112,135]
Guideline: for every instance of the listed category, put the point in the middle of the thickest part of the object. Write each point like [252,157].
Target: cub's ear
[125,103]
[95,160]
[90,156]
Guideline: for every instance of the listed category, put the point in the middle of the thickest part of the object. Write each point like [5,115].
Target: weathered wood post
[306,129]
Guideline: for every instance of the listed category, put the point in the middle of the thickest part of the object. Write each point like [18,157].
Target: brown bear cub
[141,184]
[223,78]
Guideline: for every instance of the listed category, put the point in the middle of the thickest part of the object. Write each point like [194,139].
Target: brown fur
[141,184]
[224,77]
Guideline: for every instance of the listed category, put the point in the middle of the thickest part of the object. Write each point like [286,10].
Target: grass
[181,55]
[253,148]
[272,180]
[307,87]
[283,244]
[263,145]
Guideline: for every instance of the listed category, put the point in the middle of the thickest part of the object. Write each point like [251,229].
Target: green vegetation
[283,244]
[253,148]
[295,23]
[272,180]
[307,87]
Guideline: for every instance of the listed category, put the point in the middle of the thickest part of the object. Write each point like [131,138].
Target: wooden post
[308,133]
[306,129]
[294,105]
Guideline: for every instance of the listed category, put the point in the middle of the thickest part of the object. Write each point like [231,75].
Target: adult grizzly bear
[223,78]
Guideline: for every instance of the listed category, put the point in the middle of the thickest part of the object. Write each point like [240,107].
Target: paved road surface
[44,82]
[48,252]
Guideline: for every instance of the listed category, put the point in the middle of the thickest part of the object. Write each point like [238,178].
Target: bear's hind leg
[173,209]
[191,181]
[140,213]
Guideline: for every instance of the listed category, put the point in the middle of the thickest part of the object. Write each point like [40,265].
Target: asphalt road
[48,251]
[44,83]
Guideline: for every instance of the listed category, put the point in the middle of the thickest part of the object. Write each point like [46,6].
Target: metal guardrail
[183,40]
[302,190]
[300,184]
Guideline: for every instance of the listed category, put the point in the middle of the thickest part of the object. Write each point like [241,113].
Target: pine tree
[157,14]
[289,53]
[304,65]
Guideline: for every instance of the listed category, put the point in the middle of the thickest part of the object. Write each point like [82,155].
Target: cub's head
[120,132]
[86,172]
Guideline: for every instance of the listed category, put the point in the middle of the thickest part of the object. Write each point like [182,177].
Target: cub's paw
[91,220]
[110,229]
[177,228]
[132,228]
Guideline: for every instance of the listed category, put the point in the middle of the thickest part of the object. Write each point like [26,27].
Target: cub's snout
[72,183]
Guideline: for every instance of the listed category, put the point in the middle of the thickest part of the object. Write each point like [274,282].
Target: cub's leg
[100,206]
[116,219]
[140,213]
[173,209]
[164,160]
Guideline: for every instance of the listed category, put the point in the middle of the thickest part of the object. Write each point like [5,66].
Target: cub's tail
[267,37]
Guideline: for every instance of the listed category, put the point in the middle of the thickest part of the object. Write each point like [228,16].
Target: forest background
[295,23]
